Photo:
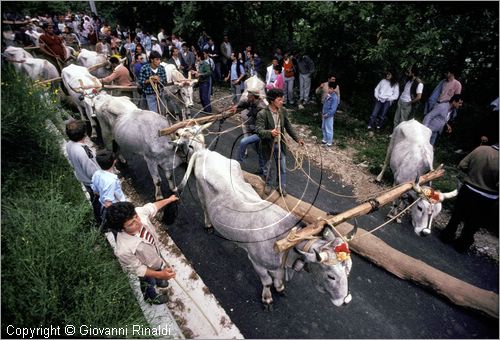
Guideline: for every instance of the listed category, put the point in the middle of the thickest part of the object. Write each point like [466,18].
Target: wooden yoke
[96,66]
[197,121]
[363,209]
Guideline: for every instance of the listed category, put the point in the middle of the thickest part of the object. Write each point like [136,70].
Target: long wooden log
[401,265]
[359,210]
[199,121]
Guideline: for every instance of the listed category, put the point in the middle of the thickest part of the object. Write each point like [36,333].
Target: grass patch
[56,268]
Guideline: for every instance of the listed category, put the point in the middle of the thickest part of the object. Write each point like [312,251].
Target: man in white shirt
[411,95]
[270,75]
[155,46]
[137,245]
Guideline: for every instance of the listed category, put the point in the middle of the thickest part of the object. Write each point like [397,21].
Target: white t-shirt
[406,96]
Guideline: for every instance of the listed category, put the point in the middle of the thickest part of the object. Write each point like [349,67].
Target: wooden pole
[380,253]
[121,87]
[199,121]
[49,80]
[96,66]
[359,210]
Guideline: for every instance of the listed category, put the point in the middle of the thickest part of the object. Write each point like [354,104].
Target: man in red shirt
[53,46]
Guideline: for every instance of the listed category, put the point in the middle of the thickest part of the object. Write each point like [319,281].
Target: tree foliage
[358,41]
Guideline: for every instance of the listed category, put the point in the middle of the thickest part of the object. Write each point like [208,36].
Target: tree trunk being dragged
[392,260]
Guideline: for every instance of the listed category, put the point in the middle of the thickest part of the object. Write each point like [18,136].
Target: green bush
[56,268]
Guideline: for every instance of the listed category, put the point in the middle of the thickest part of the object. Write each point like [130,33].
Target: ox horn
[416,185]
[446,195]
[205,126]
[321,256]
[353,231]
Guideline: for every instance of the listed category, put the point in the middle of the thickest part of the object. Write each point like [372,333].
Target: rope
[154,86]
[197,306]
[389,221]
[299,159]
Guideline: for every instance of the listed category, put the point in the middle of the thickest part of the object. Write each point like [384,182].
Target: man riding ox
[411,155]
[238,213]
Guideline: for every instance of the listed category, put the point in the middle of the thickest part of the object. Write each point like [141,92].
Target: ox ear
[313,256]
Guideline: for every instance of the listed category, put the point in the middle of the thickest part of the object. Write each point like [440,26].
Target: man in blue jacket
[328,113]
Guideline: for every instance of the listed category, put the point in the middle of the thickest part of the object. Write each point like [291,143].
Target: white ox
[82,87]
[35,68]
[254,83]
[107,108]
[179,89]
[90,58]
[238,213]
[411,155]
[136,132]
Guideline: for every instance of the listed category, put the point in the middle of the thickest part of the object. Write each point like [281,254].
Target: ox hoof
[209,230]
[347,299]
[282,292]
[399,220]
[121,159]
[425,232]
[268,307]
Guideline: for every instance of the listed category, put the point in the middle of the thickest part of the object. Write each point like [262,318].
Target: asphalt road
[383,306]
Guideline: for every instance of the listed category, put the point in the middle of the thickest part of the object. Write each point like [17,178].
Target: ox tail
[387,158]
[189,169]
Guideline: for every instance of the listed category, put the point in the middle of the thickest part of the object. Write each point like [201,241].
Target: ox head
[190,139]
[427,208]
[330,264]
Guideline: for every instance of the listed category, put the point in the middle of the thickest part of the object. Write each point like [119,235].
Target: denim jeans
[205,96]
[235,92]
[305,86]
[152,103]
[279,160]
[288,90]
[327,128]
[375,118]
[245,141]
[148,287]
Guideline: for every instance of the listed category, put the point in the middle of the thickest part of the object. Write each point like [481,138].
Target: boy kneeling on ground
[137,245]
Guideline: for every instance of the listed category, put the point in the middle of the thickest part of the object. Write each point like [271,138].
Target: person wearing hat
[250,107]
[155,46]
